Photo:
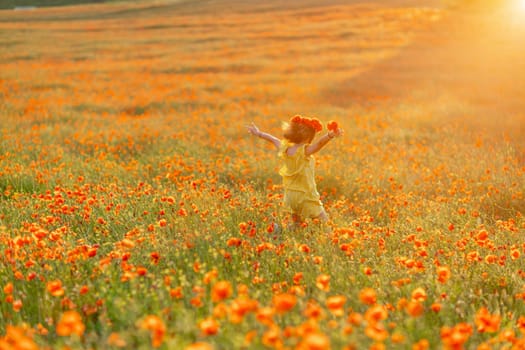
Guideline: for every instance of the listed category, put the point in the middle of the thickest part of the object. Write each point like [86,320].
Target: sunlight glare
[521,5]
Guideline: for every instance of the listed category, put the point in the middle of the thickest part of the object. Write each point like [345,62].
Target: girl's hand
[252,129]
[335,133]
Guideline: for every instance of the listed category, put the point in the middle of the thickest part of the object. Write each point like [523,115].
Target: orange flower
[209,326]
[419,295]
[368,296]
[491,259]
[436,307]
[323,282]
[355,318]
[234,242]
[55,288]
[414,308]
[297,277]
[482,235]
[521,324]
[423,344]
[141,271]
[443,274]
[17,338]
[176,293]
[265,316]
[199,346]
[156,328]
[335,304]
[272,338]
[8,288]
[240,307]
[70,323]
[17,305]
[375,314]
[455,337]
[116,340]
[398,338]
[376,331]
[486,322]
[314,341]
[313,310]
[221,290]
[332,126]
[284,302]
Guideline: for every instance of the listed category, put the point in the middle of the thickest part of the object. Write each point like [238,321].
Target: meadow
[136,211]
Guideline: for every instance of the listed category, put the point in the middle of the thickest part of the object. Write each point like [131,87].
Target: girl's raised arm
[254,130]
[322,141]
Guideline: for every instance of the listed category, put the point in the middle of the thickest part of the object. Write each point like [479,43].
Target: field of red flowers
[137,212]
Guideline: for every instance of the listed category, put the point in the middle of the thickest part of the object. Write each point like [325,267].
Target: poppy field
[137,212]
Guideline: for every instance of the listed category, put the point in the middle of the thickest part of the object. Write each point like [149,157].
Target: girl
[301,198]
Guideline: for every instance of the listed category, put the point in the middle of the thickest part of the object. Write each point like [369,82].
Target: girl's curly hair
[301,130]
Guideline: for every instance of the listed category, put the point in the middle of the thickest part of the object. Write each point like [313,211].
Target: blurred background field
[129,187]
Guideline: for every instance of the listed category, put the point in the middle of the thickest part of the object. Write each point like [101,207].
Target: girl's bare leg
[323,219]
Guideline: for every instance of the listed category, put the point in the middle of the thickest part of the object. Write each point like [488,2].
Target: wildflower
[314,311]
[368,296]
[17,338]
[297,278]
[423,344]
[482,235]
[116,340]
[414,308]
[376,331]
[332,126]
[486,322]
[315,341]
[355,318]
[436,307]
[375,314]
[199,346]
[284,302]
[70,323]
[221,290]
[156,328]
[443,274]
[240,307]
[521,324]
[335,304]
[397,338]
[17,305]
[8,288]
[323,282]
[272,338]
[455,337]
[55,288]
[209,326]
[265,316]
[419,295]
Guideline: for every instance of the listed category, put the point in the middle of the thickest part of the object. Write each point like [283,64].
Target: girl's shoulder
[291,149]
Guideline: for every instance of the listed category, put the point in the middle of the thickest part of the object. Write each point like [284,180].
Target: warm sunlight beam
[520,5]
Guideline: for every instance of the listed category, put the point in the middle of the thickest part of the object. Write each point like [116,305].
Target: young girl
[301,198]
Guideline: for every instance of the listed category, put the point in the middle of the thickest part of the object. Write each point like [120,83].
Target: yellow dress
[300,191]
